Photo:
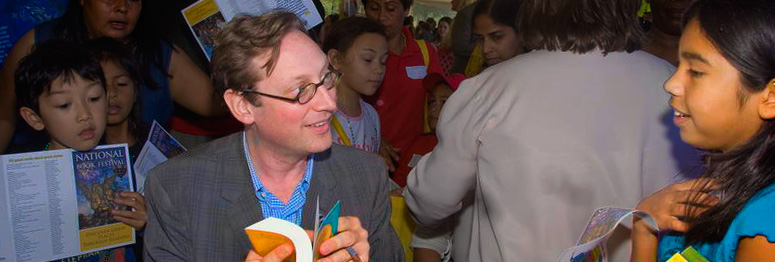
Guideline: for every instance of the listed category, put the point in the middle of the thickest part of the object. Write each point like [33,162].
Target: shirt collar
[258,186]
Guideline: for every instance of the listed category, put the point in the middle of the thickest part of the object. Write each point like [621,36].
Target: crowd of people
[501,130]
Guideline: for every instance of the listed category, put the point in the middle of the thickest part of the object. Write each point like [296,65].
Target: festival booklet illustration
[268,234]
[159,147]
[56,204]
[592,244]
[206,18]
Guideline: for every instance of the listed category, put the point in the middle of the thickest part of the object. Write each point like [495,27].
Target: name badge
[416,72]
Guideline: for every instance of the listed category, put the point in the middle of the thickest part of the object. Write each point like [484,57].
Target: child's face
[73,113]
[708,96]
[436,101]
[363,65]
[121,92]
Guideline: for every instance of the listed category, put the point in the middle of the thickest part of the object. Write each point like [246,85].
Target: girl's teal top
[756,218]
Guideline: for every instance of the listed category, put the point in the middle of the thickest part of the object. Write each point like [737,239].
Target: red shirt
[400,99]
[201,126]
[421,146]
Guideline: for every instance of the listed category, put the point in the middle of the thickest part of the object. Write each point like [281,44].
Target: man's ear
[335,58]
[767,107]
[239,106]
[32,118]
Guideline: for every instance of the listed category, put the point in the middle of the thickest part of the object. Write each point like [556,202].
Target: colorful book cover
[688,255]
[268,234]
[205,20]
[164,141]
[99,175]
[327,229]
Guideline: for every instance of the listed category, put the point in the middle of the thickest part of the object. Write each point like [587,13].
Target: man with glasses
[277,82]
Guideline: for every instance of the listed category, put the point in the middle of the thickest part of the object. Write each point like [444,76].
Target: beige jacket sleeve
[441,179]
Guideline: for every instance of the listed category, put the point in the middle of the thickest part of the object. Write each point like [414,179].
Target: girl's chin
[115,121]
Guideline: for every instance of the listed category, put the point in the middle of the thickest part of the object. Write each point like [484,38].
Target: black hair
[107,49]
[742,31]
[503,12]
[343,33]
[145,40]
[446,19]
[48,62]
[406,3]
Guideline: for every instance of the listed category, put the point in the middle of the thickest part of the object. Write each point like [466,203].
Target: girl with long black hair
[723,94]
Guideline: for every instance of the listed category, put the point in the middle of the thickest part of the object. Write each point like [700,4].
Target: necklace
[47,145]
[350,128]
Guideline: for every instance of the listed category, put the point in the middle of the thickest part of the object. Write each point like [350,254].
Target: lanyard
[340,131]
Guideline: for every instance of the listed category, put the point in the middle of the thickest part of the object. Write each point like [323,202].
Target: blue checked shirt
[272,206]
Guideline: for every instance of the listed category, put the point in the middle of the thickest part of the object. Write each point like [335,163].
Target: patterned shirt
[272,206]
[362,131]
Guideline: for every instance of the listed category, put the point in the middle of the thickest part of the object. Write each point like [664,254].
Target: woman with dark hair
[542,139]
[495,29]
[442,30]
[166,73]
[723,94]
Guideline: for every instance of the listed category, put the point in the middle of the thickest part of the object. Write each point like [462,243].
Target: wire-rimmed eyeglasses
[305,92]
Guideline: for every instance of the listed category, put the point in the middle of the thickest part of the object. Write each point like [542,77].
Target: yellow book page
[264,242]
[677,258]
[324,234]
[201,11]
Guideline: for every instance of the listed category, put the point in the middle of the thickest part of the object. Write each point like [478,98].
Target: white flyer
[159,147]
[592,243]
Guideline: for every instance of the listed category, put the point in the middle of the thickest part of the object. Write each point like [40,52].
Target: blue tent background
[19,16]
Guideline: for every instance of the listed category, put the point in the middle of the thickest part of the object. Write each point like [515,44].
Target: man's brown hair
[581,26]
[241,41]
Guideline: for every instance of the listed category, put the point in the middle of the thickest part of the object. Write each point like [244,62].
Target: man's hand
[389,154]
[351,234]
[277,255]
[137,216]
[670,204]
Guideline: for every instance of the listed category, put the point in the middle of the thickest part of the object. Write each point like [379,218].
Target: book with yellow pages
[688,255]
[268,234]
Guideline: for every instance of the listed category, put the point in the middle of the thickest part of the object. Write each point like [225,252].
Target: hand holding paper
[136,216]
[351,233]
[330,241]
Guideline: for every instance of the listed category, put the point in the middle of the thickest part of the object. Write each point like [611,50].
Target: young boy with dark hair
[60,88]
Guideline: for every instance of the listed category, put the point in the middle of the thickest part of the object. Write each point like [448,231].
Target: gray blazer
[200,202]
